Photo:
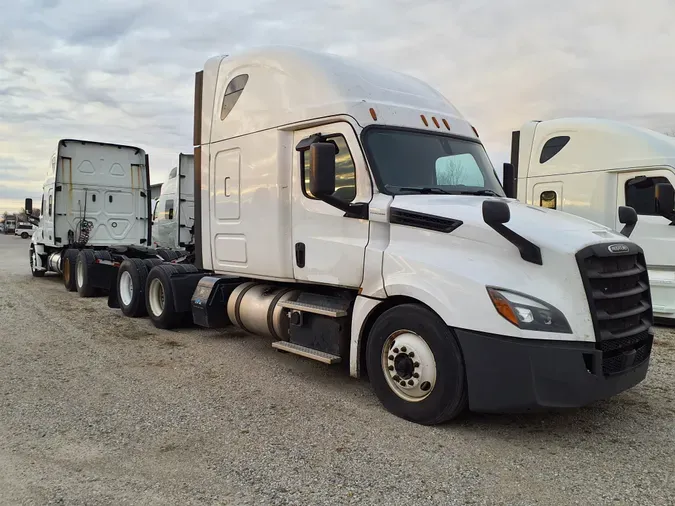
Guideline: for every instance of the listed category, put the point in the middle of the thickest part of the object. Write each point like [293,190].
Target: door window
[641,194]
[168,209]
[345,172]
[50,205]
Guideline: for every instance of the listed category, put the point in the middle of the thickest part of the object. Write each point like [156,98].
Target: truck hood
[547,228]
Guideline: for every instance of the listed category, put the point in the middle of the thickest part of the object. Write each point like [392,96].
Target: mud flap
[113,296]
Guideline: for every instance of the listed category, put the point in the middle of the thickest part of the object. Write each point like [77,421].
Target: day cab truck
[590,167]
[95,214]
[351,213]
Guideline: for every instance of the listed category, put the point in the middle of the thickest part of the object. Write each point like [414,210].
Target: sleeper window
[232,94]
[548,199]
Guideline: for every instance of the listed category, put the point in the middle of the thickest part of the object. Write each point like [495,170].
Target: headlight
[527,312]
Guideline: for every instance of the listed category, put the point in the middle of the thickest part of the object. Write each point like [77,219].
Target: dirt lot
[96,408]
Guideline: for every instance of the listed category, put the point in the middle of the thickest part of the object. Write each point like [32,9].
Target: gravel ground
[96,408]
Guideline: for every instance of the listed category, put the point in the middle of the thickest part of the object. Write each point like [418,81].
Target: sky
[122,71]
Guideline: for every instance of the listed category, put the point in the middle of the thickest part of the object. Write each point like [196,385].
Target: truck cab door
[329,248]
[653,233]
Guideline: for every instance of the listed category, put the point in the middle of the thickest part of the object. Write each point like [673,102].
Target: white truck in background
[173,212]
[351,213]
[24,230]
[10,225]
[95,214]
[591,167]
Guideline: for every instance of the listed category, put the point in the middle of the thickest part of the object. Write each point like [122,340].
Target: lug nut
[411,382]
[391,357]
[416,364]
[402,383]
[416,375]
[395,350]
[397,378]
[391,367]
[411,354]
[403,349]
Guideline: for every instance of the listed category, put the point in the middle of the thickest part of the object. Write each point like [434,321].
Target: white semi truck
[95,214]
[590,167]
[173,212]
[10,225]
[351,214]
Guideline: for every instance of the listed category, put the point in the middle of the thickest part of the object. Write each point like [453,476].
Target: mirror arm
[359,211]
[627,230]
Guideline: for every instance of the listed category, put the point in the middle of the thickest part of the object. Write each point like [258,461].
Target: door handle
[228,177]
[300,254]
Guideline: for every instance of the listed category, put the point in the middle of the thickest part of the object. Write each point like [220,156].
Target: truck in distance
[590,167]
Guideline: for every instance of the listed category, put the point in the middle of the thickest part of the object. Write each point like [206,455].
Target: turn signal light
[502,306]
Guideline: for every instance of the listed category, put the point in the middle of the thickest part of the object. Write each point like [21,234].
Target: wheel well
[386,304]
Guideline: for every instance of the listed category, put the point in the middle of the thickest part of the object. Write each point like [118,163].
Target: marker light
[445,122]
[424,120]
[433,118]
[372,114]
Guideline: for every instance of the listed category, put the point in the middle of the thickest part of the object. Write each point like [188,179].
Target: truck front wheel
[34,262]
[415,365]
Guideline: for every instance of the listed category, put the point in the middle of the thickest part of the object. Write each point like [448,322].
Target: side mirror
[665,198]
[28,206]
[322,169]
[509,181]
[496,212]
[629,218]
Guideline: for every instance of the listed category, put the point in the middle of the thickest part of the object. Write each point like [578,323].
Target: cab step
[303,351]
[306,307]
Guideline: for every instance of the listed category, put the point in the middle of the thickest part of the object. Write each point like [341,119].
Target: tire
[102,254]
[68,269]
[445,396]
[152,262]
[131,280]
[83,264]
[24,235]
[36,274]
[159,297]
[168,254]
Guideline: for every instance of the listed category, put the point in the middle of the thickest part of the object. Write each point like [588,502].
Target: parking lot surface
[96,408]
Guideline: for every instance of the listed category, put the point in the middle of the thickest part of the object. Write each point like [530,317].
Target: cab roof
[288,85]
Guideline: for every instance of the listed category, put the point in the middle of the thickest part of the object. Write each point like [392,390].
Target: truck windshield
[405,161]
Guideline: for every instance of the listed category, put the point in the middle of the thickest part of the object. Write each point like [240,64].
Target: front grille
[617,287]
[624,353]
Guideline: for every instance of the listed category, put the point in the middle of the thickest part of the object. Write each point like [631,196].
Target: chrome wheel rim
[409,366]
[79,274]
[156,297]
[126,288]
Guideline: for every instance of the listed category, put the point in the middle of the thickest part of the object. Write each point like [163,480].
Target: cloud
[123,71]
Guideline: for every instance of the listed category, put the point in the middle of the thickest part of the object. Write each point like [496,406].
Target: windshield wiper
[482,192]
[418,189]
